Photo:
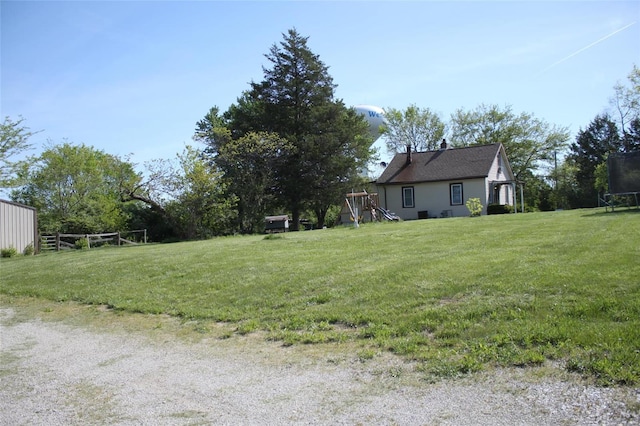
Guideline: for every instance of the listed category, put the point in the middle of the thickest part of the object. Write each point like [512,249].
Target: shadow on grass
[600,211]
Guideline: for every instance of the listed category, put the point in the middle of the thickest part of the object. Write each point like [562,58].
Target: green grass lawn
[457,295]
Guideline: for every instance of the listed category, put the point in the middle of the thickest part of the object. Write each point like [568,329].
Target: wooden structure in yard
[360,207]
[279,223]
[60,241]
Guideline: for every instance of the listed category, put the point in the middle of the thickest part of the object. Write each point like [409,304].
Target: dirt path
[65,373]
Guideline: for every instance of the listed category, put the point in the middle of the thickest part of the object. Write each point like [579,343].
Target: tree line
[289,146]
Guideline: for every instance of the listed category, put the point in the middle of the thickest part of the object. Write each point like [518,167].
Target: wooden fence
[60,241]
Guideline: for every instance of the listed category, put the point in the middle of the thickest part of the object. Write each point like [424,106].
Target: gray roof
[447,164]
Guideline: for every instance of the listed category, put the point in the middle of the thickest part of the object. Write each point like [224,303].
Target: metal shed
[18,226]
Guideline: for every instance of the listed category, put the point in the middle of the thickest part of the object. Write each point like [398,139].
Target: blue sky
[134,77]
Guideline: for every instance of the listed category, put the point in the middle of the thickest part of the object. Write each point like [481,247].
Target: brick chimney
[409,159]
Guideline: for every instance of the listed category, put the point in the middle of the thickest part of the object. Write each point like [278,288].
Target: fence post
[88,241]
[118,237]
[145,236]
[57,241]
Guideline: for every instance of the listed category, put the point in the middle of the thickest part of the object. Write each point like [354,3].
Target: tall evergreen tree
[207,133]
[295,100]
[631,140]
[591,148]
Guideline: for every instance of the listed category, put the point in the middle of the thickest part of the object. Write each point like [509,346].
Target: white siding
[500,171]
[18,226]
[496,172]
[434,198]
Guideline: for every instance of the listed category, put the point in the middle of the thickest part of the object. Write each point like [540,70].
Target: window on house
[455,190]
[407,197]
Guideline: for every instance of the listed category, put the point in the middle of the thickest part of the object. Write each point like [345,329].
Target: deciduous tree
[529,142]
[249,165]
[186,197]
[75,189]
[420,128]
[14,140]
[200,205]
[626,105]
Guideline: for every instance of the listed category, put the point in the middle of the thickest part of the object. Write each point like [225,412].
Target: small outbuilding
[278,223]
[18,226]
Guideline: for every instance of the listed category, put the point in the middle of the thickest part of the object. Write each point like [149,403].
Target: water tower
[374,116]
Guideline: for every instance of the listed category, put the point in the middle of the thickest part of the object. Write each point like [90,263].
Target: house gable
[501,169]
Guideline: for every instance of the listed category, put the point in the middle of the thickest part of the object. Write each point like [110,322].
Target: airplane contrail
[586,47]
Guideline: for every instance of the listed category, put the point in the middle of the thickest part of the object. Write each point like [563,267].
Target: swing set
[361,207]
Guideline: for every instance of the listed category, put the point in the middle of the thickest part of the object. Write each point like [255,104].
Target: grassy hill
[457,295]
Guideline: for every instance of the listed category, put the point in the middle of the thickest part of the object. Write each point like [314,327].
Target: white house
[418,185]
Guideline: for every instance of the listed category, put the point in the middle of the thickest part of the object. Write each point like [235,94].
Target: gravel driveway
[61,373]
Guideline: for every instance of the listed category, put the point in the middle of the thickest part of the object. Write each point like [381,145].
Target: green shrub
[82,243]
[474,206]
[499,209]
[333,215]
[8,252]
[28,250]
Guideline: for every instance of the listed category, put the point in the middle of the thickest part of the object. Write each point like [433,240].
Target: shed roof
[13,203]
[277,218]
[446,164]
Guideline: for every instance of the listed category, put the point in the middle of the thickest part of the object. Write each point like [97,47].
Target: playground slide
[387,214]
